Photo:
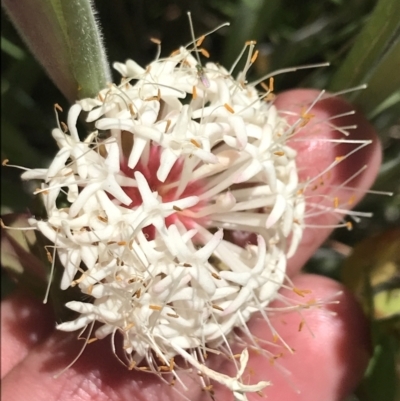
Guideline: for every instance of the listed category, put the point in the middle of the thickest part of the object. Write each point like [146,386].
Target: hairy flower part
[184,159]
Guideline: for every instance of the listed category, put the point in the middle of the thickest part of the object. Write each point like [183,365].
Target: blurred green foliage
[361,40]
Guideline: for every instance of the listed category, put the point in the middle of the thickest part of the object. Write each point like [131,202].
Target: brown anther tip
[174,315]
[155,307]
[195,143]
[351,200]
[208,388]
[301,325]
[129,326]
[64,126]
[200,40]
[229,108]
[5,162]
[168,125]
[58,107]
[271,84]
[194,93]
[336,202]
[156,41]
[270,97]
[92,340]
[254,57]
[177,209]
[301,292]
[217,307]
[204,52]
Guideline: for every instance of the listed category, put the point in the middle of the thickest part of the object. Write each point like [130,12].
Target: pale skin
[325,366]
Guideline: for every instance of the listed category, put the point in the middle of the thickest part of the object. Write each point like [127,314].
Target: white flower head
[184,161]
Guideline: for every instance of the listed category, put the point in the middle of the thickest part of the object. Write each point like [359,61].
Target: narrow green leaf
[17,257]
[383,83]
[11,49]
[253,19]
[380,382]
[374,52]
[64,37]
[86,51]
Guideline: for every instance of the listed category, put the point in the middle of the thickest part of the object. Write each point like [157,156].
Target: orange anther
[254,57]
[64,126]
[229,108]
[156,41]
[336,202]
[204,52]
[351,200]
[200,40]
[195,143]
[301,325]
[271,84]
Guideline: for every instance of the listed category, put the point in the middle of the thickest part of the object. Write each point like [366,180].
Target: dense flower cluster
[178,212]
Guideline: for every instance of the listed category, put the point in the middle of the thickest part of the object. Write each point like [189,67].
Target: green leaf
[383,84]
[64,37]
[374,58]
[380,382]
[372,272]
[18,258]
[11,49]
[253,19]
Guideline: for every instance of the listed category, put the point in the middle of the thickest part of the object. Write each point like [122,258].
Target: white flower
[191,157]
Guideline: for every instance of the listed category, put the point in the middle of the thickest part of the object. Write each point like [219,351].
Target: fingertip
[331,349]
[321,141]
[25,322]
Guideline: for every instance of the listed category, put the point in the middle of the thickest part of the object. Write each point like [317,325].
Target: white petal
[277,211]
[73,115]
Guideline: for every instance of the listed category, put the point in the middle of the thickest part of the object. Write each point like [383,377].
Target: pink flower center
[166,190]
